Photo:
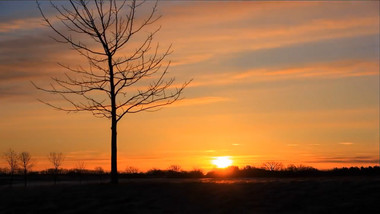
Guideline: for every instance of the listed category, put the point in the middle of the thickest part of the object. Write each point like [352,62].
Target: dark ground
[282,195]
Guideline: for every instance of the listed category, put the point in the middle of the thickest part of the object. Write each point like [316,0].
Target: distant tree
[80,168]
[298,168]
[26,164]
[100,172]
[273,166]
[174,168]
[131,170]
[196,173]
[113,83]
[12,159]
[154,172]
[56,159]
[247,167]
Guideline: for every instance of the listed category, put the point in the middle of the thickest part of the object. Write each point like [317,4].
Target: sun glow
[222,162]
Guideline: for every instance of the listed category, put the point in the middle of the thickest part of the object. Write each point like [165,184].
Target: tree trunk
[114,176]
[55,176]
[11,181]
[25,178]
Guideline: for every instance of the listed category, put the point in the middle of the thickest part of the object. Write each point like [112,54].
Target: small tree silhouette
[12,159]
[273,166]
[175,168]
[56,159]
[26,164]
[100,172]
[131,170]
[80,169]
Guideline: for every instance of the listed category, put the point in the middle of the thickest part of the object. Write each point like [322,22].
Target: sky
[295,82]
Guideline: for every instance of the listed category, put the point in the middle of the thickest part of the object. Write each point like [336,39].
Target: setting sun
[222,162]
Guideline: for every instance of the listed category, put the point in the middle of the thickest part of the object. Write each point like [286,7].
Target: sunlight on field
[222,162]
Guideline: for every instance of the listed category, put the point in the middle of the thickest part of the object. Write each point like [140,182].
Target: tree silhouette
[273,166]
[80,168]
[113,84]
[56,159]
[100,172]
[12,159]
[175,168]
[131,170]
[26,163]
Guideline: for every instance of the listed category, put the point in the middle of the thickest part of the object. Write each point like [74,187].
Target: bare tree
[300,167]
[80,169]
[174,168]
[26,163]
[273,166]
[80,166]
[112,85]
[100,172]
[56,159]
[11,158]
[131,170]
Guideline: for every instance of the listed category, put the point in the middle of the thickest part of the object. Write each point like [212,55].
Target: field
[355,194]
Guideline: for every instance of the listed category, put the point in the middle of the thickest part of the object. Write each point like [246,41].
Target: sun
[222,162]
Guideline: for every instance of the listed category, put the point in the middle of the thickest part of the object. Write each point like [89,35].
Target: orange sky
[295,82]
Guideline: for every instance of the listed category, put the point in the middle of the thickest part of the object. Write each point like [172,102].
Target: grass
[359,194]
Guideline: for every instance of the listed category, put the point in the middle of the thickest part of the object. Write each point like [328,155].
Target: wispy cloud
[86,156]
[346,143]
[347,159]
[20,24]
[322,70]
[251,30]
[199,101]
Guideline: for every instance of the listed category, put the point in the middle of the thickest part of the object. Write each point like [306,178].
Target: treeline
[255,172]
[19,169]
[22,163]
[229,172]
[292,171]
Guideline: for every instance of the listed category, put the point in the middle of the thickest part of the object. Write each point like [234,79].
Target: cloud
[199,101]
[313,70]
[347,159]
[333,69]
[242,41]
[249,29]
[189,59]
[261,14]
[346,143]
[85,153]
[20,24]
[362,47]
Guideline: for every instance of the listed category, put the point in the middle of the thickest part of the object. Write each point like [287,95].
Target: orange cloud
[228,38]
[346,143]
[199,101]
[20,24]
[335,69]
